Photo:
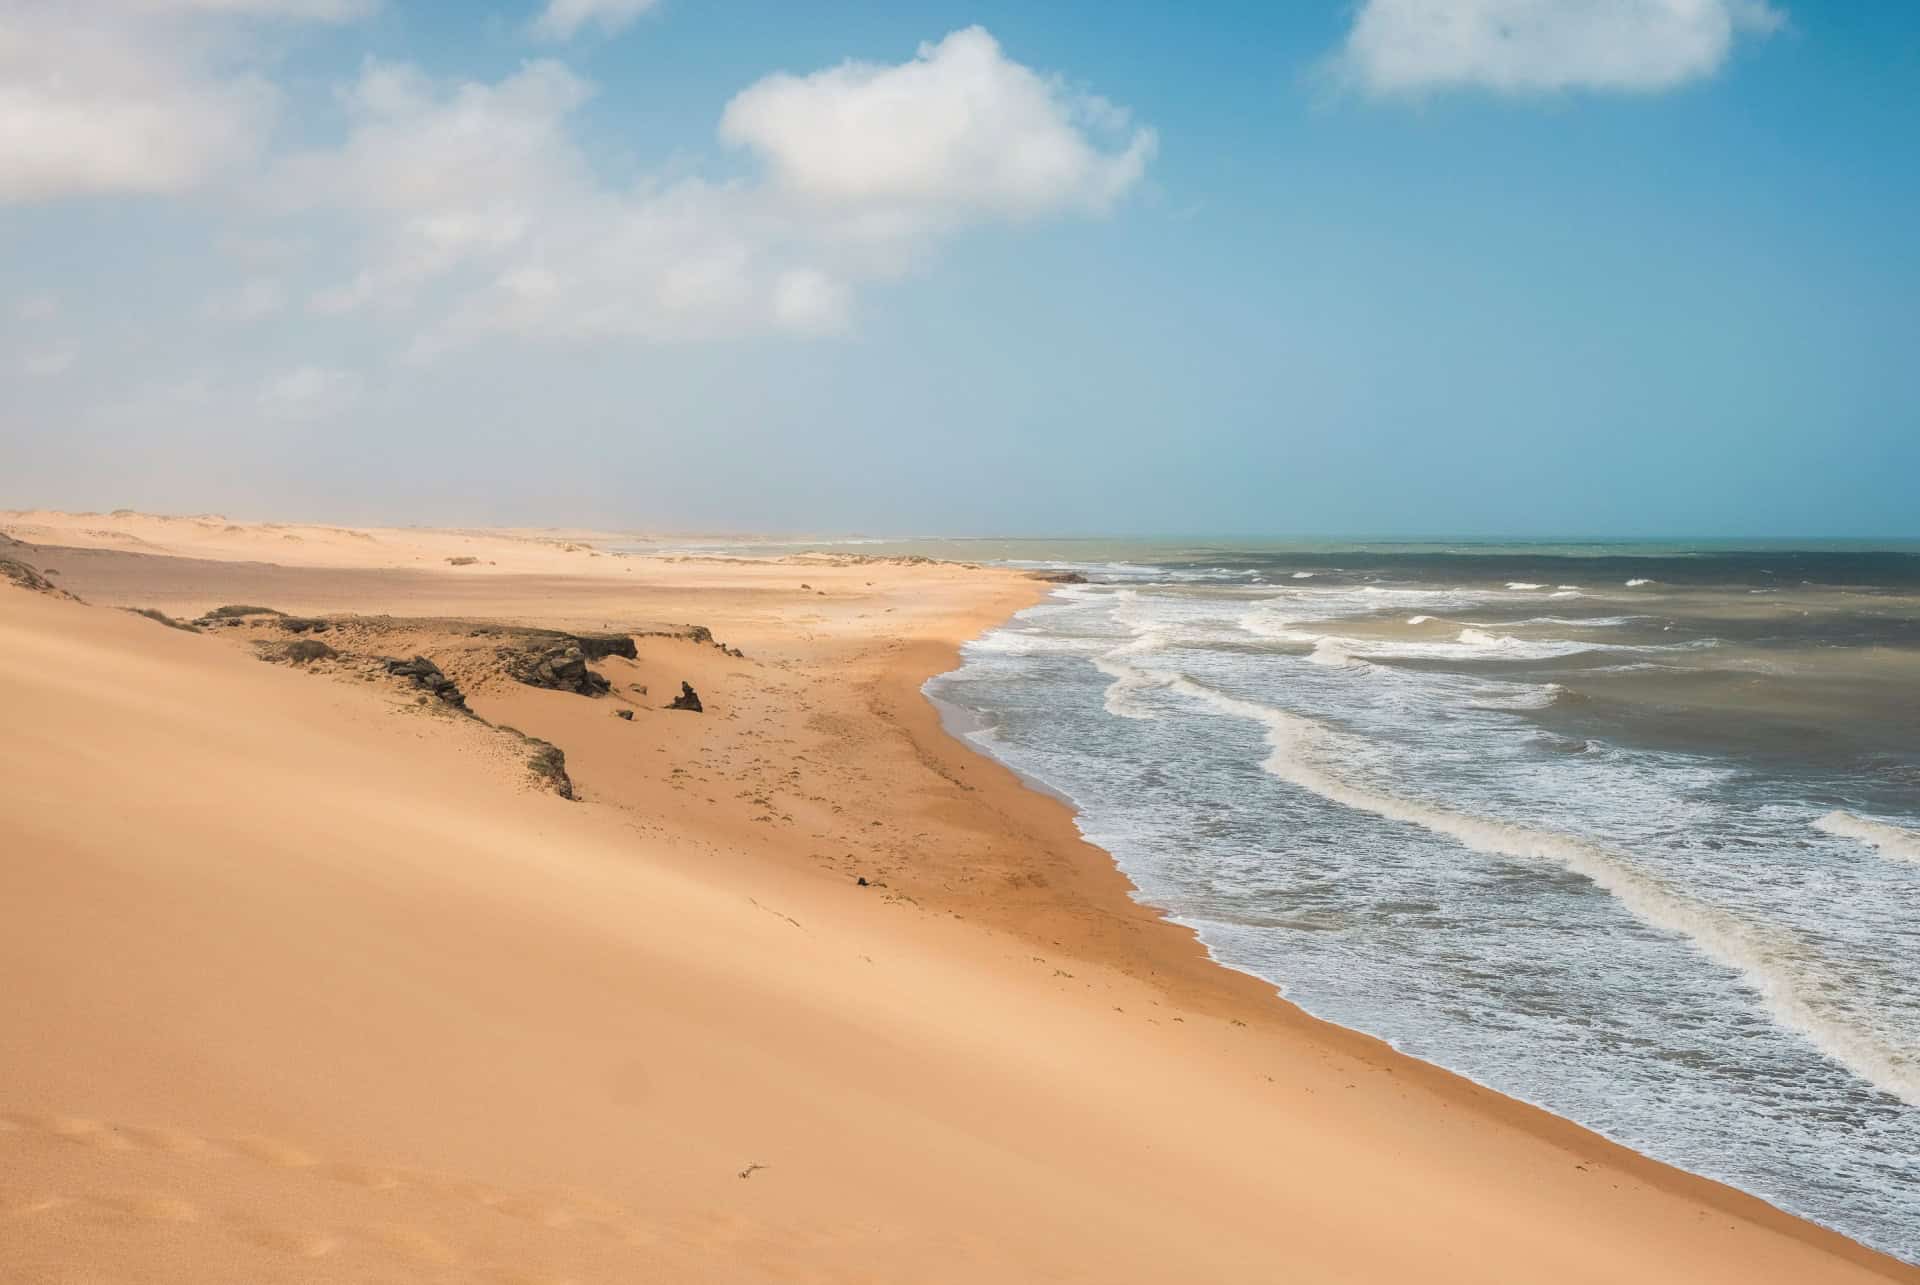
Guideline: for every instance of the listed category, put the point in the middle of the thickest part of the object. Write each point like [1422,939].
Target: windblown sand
[305,981]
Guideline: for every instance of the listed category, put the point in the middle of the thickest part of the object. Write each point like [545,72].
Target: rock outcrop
[425,675]
[688,699]
[562,669]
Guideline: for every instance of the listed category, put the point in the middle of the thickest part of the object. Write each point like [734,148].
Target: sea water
[1629,832]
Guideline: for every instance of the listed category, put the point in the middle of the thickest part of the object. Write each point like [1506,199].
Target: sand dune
[308,982]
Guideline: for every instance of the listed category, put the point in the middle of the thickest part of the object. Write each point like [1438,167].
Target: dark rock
[688,699]
[462,561]
[863,881]
[425,675]
[562,669]
[302,624]
[690,633]
[601,646]
[624,713]
[1060,577]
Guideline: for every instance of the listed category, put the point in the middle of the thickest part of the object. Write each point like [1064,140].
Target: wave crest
[1892,840]
[1298,745]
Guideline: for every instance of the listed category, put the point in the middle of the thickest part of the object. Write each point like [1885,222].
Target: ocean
[1631,832]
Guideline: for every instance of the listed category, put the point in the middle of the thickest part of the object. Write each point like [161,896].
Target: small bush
[302,650]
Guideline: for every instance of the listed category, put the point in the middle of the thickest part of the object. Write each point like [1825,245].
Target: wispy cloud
[563,19]
[1415,47]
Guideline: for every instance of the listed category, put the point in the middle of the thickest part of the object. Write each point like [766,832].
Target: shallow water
[1631,832]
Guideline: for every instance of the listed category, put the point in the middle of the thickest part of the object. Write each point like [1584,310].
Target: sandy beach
[311,977]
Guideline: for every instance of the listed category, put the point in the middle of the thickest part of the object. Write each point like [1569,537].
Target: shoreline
[1542,1122]
[993,1024]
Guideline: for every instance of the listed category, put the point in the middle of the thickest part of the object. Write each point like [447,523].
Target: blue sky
[1495,267]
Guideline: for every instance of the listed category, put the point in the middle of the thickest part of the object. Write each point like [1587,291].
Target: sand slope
[304,983]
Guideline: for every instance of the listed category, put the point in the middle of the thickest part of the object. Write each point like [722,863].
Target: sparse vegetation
[236,612]
[300,651]
[29,578]
[161,617]
[464,560]
[546,763]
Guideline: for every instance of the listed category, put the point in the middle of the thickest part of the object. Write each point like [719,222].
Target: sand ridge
[317,989]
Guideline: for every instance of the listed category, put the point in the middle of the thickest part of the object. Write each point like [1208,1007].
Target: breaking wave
[1891,840]
[1298,746]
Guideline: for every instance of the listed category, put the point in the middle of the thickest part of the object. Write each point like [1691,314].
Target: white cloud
[309,393]
[959,128]
[47,362]
[480,213]
[562,19]
[37,307]
[249,301]
[107,96]
[1544,46]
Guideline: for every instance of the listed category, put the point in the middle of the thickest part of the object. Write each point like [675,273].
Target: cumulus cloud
[563,19]
[959,128]
[1400,47]
[478,208]
[110,96]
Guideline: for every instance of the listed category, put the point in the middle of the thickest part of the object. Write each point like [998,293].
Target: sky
[1555,268]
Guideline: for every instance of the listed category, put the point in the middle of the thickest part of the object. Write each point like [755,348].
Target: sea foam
[1758,957]
[1891,840]
[1298,745]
